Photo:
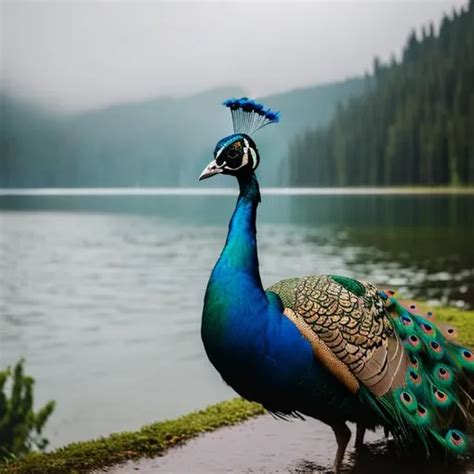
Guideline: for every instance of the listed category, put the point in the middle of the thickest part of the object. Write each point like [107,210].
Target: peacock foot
[359,441]
[343,435]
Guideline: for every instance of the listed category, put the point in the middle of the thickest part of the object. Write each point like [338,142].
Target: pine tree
[415,123]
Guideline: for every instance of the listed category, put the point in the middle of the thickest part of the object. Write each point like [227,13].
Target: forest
[413,126]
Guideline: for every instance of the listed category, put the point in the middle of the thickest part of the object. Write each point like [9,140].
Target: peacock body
[326,346]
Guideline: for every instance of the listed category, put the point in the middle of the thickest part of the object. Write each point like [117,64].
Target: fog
[80,55]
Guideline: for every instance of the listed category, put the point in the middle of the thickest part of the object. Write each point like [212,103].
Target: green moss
[151,440]
[462,320]
[155,439]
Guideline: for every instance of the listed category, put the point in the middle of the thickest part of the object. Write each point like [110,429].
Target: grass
[155,439]
[462,320]
[151,440]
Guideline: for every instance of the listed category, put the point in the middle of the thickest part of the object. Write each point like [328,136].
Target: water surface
[103,294]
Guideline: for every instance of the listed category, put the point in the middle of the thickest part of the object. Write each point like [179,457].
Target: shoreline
[269,191]
[151,440]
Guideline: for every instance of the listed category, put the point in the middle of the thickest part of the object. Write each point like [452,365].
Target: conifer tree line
[414,126]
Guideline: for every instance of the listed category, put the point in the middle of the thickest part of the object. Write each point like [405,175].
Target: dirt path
[265,445]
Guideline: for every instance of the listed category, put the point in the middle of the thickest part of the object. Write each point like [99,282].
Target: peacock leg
[343,435]
[359,442]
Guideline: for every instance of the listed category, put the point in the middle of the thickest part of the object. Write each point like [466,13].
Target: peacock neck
[236,305]
[240,250]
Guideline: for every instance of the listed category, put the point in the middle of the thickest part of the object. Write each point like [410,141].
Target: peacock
[327,346]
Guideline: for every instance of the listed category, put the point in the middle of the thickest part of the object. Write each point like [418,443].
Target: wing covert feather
[354,336]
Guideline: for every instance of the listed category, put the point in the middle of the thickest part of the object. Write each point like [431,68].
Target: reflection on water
[105,306]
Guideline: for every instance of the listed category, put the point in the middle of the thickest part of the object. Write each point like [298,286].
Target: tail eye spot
[406,396]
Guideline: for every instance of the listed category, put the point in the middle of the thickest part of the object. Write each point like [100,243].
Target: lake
[102,294]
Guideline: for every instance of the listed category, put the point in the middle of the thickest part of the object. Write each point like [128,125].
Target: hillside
[162,142]
[413,127]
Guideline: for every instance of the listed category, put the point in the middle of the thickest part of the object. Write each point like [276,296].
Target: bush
[20,426]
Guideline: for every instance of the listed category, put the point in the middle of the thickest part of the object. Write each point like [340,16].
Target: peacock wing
[347,325]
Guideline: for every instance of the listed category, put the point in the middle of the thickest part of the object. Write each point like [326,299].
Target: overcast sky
[78,55]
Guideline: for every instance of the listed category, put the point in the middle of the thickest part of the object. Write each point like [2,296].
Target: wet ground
[266,445]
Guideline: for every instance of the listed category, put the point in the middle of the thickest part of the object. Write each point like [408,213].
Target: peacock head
[237,154]
[234,155]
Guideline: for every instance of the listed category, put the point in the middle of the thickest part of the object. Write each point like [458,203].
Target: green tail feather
[435,404]
[406,400]
[456,441]
[443,375]
[423,416]
[417,382]
[465,358]
[441,398]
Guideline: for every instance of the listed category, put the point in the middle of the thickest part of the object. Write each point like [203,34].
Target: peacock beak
[210,170]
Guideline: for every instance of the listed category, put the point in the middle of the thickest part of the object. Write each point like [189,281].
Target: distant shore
[269,191]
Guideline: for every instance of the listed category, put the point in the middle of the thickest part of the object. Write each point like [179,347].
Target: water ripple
[106,307]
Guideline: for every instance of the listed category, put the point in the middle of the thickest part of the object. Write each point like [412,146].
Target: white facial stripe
[219,152]
[254,158]
[215,165]
[253,154]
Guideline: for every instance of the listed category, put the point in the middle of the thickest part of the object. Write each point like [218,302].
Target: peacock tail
[435,403]
[409,370]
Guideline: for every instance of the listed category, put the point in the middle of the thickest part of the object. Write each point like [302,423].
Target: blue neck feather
[236,306]
[235,290]
[240,251]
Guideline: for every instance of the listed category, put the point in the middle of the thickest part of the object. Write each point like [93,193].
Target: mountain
[414,125]
[162,142]
[29,137]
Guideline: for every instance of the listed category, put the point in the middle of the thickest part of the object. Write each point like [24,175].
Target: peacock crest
[249,116]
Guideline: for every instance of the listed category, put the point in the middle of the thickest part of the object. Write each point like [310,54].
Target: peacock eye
[233,154]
